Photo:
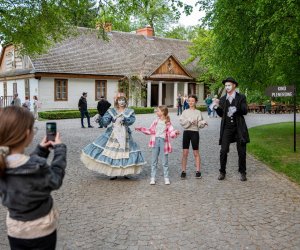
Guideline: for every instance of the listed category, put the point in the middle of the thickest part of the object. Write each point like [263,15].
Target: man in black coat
[102,107]
[82,106]
[232,108]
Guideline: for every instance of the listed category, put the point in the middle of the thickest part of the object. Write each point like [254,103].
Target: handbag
[96,118]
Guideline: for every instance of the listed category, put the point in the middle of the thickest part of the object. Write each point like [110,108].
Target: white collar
[231,96]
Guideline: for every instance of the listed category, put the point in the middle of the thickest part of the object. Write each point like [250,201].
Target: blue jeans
[179,110]
[159,148]
[85,113]
[208,110]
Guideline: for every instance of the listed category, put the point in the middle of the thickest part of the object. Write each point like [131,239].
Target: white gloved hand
[231,111]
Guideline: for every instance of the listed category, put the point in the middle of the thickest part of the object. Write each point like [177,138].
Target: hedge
[70,114]
[202,108]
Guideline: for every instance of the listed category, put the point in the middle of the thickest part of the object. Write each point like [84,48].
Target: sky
[194,17]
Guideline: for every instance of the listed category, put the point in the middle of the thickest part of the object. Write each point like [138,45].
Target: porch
[166,92]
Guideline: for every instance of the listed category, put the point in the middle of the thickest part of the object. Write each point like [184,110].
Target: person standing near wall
[82,106]
[102,107]
[27,103]
[36,107]
[179,104]
[16,101]
[208,101]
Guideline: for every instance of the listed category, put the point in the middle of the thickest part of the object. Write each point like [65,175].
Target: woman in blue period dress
[115,153]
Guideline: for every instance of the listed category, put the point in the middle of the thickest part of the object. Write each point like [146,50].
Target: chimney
[147,31]
[106,26]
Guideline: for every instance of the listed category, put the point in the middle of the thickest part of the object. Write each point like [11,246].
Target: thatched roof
[123,54]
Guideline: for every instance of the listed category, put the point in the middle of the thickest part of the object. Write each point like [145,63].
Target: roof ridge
[134,34]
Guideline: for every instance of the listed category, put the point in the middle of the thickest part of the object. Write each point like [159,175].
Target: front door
[154,95]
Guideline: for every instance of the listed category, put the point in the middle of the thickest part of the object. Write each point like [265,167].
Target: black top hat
[230,79]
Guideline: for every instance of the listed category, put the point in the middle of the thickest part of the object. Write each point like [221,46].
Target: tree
[82,13]
[181,32]
[256,41]
[203,51]
[159,14]
[33,25]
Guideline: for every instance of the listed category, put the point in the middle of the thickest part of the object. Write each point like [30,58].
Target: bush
[202,108]
[71,114]
[142,110]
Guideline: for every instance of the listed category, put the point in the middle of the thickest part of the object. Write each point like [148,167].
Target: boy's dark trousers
[85,113]
[230,135]
[43,243]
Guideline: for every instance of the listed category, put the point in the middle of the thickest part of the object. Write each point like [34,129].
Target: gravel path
[96,213]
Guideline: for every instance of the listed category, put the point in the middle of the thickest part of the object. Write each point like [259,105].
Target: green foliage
[203,51]
[202,108]
[133,87]
[33,25]
[255,41]
[142,110]
[71,114]
[111,15]
[181,32]
[277,150]
[255,96]
[133,14]
[63,114]
[82,13]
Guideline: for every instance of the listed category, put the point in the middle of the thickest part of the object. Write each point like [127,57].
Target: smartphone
[51,131]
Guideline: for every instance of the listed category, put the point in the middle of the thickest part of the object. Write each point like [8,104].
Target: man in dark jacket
[102,107]
[232,108]
[82,106]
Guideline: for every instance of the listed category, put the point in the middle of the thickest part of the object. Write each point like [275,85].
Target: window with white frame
[100,89]
[27,88]
[61,90]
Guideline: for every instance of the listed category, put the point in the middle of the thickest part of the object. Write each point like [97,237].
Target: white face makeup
[121,102]
[228,86]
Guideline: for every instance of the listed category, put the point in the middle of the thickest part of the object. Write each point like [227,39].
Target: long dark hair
[15,121]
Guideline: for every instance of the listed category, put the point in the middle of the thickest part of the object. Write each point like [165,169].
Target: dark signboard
[285,91]
[280,91]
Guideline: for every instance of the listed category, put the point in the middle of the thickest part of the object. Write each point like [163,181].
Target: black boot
[221,176]
[243,177]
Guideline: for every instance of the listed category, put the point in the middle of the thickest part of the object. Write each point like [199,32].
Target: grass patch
[274,145]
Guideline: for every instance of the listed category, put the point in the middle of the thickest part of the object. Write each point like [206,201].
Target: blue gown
[114,153]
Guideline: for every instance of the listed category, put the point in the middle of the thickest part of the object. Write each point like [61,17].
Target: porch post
[186,84]
[175,94]
[148,93]
[160,93]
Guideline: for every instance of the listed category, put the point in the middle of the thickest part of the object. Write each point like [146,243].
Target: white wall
[75,89]
[181,88]
[169,94]
[34,88]
[200,93]
[20,88]
[112,90]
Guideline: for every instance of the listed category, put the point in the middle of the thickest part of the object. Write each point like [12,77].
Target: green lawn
[274,145]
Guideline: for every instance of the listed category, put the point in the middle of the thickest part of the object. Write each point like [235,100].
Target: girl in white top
[191,120]
[161,131]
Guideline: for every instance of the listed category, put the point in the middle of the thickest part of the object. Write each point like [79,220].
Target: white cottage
[86,63]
